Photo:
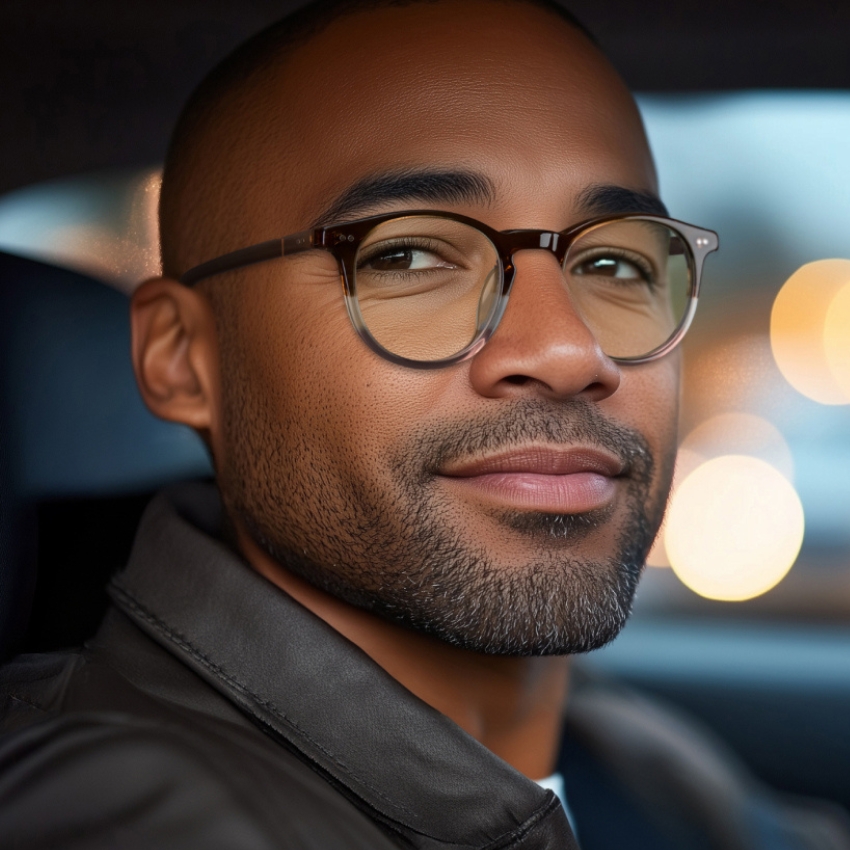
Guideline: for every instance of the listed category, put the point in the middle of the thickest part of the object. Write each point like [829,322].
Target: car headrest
[72,423]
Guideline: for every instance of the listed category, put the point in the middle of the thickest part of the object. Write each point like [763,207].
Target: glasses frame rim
[342,240]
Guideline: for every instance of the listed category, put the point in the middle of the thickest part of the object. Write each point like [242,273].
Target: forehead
[507,90]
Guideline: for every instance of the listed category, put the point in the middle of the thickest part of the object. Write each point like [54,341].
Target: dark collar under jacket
[405,765]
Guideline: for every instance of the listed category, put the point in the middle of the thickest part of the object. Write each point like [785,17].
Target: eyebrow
[432,187]
[603,200]
[454,187]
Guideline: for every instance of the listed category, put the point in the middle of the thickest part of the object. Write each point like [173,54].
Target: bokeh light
[686,462]
[733,433]
[738,433]
[734,528]
[836,337]
[798,331]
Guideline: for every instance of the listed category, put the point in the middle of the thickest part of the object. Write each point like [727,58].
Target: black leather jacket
[213,711]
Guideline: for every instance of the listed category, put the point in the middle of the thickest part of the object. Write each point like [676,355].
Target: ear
[175,353]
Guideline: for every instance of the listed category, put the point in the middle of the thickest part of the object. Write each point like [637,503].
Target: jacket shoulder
[34,686]
[114,780]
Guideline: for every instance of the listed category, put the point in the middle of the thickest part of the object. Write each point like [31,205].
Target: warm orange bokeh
[807,345]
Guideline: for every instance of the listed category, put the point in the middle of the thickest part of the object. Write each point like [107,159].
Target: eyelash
[401,244]
[639,262]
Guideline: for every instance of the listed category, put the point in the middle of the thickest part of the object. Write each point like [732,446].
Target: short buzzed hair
[188,203]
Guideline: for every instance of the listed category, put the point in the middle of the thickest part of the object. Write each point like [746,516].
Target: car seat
[79,452]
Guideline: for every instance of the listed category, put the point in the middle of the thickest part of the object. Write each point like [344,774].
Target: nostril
[518,380]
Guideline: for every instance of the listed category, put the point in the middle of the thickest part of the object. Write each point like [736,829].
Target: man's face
[507,503]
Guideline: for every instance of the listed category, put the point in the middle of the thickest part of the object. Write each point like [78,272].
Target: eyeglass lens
[428,286]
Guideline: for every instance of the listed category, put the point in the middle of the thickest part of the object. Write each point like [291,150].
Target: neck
[513,706]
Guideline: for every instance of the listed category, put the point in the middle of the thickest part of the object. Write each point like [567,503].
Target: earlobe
[174,352]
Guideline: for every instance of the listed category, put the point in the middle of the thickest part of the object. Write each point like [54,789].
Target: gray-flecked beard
[401,558]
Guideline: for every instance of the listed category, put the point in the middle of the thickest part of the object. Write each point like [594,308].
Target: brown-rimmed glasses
[427,289]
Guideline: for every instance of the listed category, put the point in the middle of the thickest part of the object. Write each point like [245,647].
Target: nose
[542,346]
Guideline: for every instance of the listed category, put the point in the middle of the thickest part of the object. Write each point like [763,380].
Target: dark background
[89,84]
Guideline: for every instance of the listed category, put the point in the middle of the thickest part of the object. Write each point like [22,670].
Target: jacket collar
[405,764]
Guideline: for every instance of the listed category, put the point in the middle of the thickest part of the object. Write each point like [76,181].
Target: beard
[402,554]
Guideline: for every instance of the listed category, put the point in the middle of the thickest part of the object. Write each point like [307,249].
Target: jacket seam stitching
[527,827]
[160,625]
[188,646]
[28,702]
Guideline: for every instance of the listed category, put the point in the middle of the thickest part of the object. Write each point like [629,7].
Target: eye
[403,258]
[616,265]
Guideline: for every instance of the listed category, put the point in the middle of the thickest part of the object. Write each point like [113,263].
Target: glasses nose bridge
[556,243]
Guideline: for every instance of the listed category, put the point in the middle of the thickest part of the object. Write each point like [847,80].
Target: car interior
[747,106]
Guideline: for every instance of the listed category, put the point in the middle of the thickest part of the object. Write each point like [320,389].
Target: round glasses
[427,289]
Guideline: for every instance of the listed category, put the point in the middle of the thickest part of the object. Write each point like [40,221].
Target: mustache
[531,421]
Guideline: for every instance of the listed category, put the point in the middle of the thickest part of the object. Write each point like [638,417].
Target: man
[443,425]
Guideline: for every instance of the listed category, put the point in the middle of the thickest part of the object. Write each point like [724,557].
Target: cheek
[648,401]
[334,398]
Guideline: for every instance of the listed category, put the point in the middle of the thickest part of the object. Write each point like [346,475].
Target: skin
[542,126]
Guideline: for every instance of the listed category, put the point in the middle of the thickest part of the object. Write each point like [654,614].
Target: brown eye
[611,267]
[400,260]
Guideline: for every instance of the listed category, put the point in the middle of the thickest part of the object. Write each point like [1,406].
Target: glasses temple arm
[248,256]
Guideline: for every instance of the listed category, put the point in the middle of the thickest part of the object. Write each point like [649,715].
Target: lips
[542,478]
